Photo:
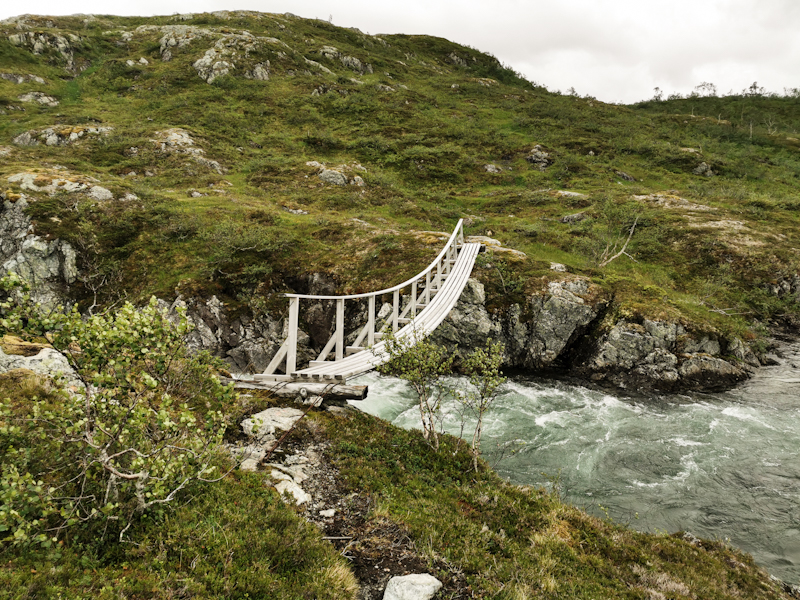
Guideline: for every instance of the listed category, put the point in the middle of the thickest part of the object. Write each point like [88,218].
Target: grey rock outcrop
[259,72]
[663,356]
[47,363]
[179,141]
[339,175]
[211,66]
[48,266]
[246,343]
[20,79]
[469,324]
[333,177]
[564,327]
[559,318]
[703,169]
[59,135]
[538,339]
[61,183]
[539,158]
[456,60]
[350,62]
[39,42]
[573,218]
[38,98]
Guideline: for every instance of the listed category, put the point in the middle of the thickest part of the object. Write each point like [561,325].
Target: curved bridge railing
[421,302]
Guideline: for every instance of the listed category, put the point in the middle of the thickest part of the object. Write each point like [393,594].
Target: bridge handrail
[453,241]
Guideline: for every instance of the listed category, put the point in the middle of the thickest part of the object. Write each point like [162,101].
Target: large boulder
[468,325]
[420,586]
[663,355]
[559,318]
[47,363]
[48,266]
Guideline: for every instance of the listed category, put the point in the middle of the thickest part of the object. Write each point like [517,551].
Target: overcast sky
[615,50]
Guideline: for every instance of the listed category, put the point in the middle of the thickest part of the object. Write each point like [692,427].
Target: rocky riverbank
[570,327]
[567,330]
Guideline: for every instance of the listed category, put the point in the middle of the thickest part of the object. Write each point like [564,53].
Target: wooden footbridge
[419,305]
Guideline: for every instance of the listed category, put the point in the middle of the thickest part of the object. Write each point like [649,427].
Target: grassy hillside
[415,510]
[418,119]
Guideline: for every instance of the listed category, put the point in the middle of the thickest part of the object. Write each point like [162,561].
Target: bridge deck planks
[421,326]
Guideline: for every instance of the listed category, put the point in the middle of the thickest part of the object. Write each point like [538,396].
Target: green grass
[481,536]
[424,148]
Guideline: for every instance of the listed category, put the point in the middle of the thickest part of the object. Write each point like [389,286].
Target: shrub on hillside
[144,425]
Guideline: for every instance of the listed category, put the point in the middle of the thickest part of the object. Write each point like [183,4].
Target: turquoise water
[721,466]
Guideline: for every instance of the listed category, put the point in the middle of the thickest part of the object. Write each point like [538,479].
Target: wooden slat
[425,322]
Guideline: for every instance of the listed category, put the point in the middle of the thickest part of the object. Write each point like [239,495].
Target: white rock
[412,587]
[327,514]
[295,473]
[568,194]
[289,486]
[334,177]
[250,457]
[558,267]
[26,139]
[492,168]
[267,421]
[100,193]
[278,475]
[39,98]
[144,61]
[260,72]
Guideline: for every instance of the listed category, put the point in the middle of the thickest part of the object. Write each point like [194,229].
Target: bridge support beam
[294,316]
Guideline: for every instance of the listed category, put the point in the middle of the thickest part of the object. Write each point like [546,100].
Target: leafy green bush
[143,423]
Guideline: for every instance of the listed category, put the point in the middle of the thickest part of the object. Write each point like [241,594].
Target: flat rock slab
[420,586]
[47,362]
[266,422]
[287,486]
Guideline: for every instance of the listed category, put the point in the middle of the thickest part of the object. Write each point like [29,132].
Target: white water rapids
[721,466]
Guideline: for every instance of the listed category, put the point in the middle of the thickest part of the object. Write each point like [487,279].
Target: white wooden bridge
[419,305]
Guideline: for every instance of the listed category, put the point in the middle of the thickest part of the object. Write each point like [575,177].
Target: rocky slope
[217,160]
[568,327]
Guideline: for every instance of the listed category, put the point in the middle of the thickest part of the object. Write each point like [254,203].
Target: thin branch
[624,247]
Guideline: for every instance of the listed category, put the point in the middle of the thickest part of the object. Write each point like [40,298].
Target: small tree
[423,365]
[482,368]
[146,424]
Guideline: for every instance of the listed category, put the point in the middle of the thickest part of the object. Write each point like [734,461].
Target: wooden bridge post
[291,355]
[414,299]
[450,259]
[339,329]
[371,322]
[427,287]
[395,309]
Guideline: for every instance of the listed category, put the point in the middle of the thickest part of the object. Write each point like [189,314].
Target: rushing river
[721,466]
